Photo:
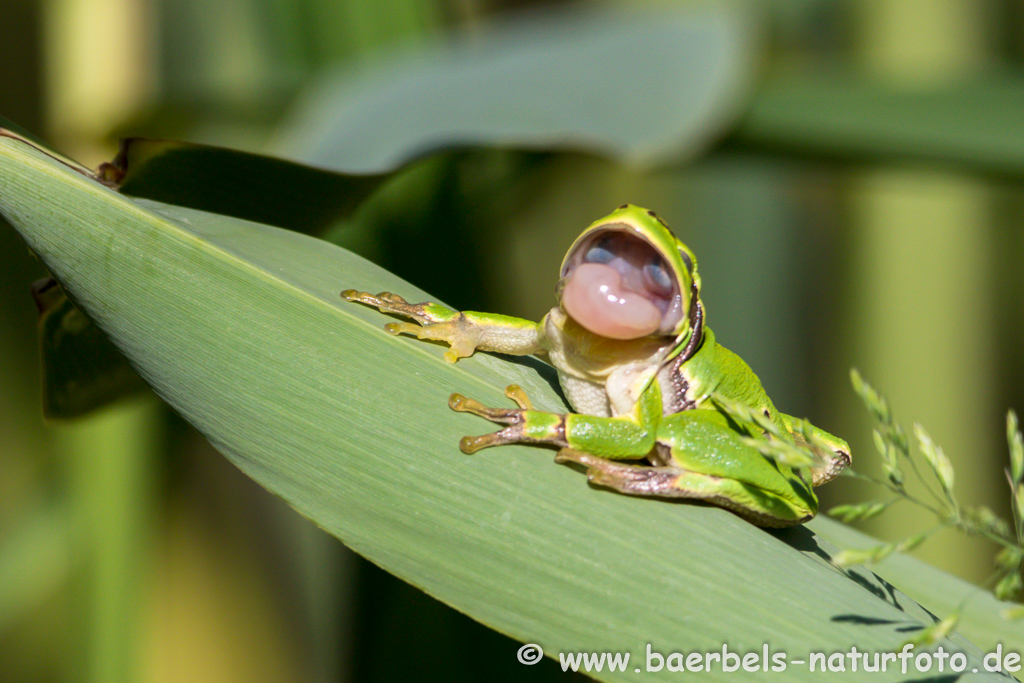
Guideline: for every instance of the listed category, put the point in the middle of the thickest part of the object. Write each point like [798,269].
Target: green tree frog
[661,408]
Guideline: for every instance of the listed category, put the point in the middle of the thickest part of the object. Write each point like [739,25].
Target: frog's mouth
[617,285]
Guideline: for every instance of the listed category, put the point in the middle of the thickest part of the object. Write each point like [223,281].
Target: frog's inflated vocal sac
[646,378]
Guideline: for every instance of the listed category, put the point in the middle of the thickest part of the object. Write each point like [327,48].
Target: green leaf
[980,613]
[250,186]
[971,123]
[651,84]
[37,557]
[239,327]
[82,369]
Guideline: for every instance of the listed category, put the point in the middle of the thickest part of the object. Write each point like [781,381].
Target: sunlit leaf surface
[651,84]
[239,327]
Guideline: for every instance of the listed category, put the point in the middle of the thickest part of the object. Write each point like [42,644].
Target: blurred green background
[861,207]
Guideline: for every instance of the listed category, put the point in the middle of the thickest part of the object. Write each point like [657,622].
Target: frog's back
[714,368]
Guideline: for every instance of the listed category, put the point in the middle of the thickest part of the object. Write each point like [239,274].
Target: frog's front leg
[463,331]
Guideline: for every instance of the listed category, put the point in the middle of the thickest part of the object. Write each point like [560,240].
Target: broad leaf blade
[651,84]
[974,124]
[981,620]
[241,184]
[239,327]
[82,371]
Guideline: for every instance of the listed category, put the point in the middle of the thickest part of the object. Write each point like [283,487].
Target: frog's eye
[600,252]
[657,277]
[687,261]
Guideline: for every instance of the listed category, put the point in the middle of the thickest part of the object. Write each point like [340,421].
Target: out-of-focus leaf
[1016,444]
[36,559]
[82,369]
[239,327]
[235,183]
[651,83]
[973,124]
[7,124]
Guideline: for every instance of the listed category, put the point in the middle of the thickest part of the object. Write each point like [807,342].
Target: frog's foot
[525,425]
[832,453]
[516,393]
[830,468]
[433,321]
[637,480]
[462,340]
[386,302]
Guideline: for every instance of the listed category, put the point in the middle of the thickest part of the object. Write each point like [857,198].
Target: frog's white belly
[585,397]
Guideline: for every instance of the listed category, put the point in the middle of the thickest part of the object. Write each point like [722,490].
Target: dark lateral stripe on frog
[679,401]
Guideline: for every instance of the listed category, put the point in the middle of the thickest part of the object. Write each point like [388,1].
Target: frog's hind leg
[525,425]
[676,482]
[833,453]
[637,480]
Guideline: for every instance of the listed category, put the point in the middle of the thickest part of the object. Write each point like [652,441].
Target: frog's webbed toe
[433,322]
[831,468]
[461,404]
[525,425]
[386,302]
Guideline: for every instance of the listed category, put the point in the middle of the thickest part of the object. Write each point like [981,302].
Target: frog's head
[628,277]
